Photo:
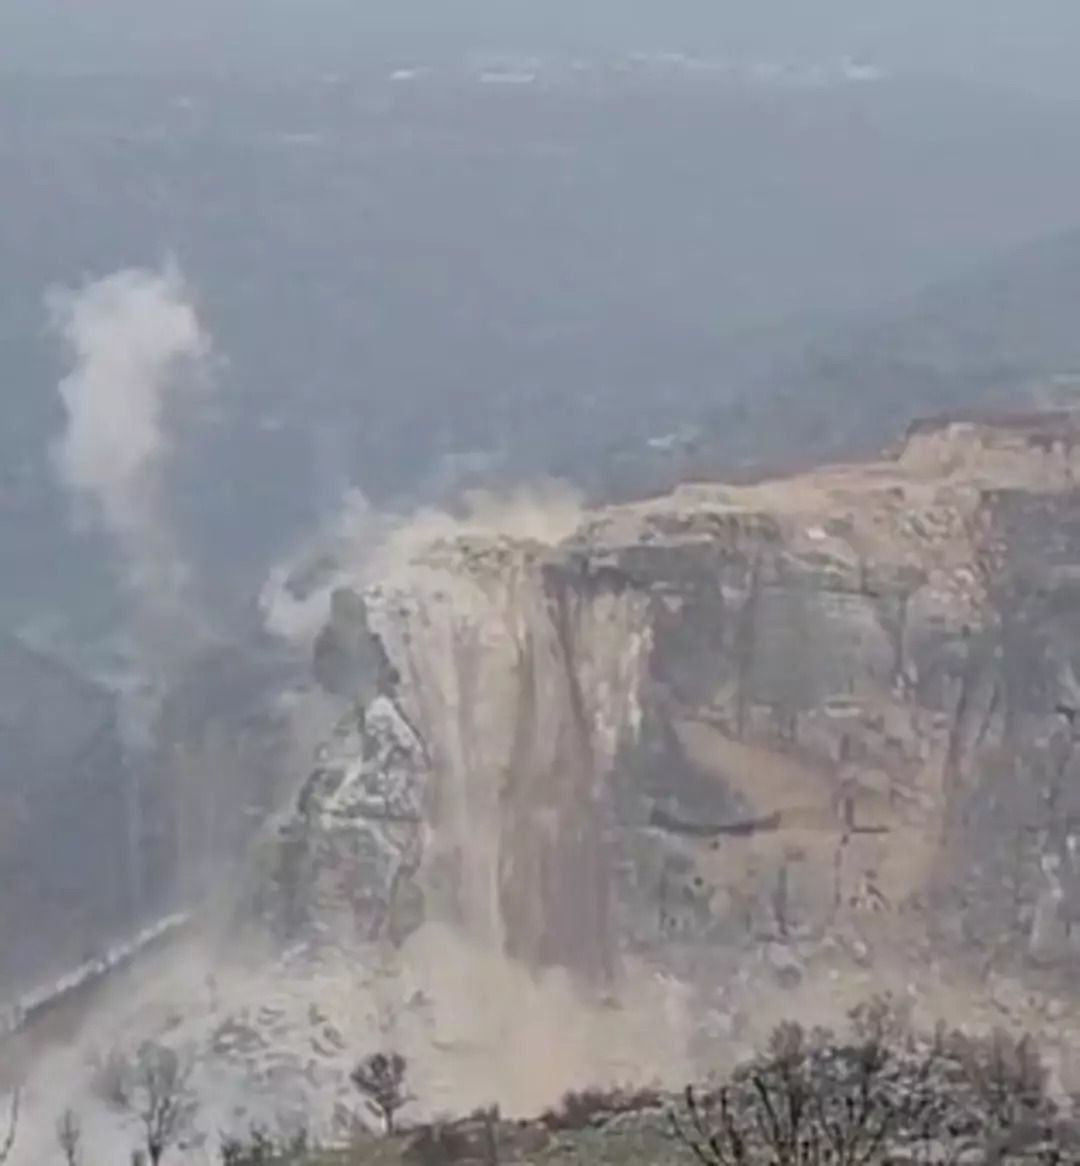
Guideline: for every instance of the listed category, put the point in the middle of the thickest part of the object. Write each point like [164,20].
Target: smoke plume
[136,349]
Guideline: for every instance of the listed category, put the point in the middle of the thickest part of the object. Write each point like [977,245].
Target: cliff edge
[837,706]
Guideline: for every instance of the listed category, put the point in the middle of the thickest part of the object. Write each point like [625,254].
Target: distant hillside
[1005,335]
[417,280]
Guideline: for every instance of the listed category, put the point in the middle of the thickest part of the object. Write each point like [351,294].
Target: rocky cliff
[603,808]
[838,707]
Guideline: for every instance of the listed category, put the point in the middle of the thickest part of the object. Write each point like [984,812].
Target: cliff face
[814,731]
[834,707]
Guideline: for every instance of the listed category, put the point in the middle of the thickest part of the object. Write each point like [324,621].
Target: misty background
[287,251]
[1028,45]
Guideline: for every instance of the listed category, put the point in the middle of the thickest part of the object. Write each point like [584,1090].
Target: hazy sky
[1030,43]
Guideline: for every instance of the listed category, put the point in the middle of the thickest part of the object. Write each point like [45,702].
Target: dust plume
[275,1041]
[136,349]
[359,545]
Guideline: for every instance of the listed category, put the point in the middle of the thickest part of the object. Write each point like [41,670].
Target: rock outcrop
[841,705]
[607,807]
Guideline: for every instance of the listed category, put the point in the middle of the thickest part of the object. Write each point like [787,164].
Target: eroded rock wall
[472,785]
[839,705]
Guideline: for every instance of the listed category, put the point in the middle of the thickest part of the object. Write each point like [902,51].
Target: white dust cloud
[273,1042]
[360,545]
[136,348]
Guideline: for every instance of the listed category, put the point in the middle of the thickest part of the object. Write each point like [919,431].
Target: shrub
[593,1107]
[881,1094]
[381,1079]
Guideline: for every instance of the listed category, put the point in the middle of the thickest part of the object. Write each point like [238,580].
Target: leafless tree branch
[8,1144]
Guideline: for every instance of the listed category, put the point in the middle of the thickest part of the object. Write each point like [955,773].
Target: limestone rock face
[838,704]
[348,859]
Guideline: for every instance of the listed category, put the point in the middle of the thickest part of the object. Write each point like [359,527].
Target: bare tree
[814,1100]
[8,1144]
[1007,1074]
[881,1093]
[155,1090]
[69,1137]
[381,1079]
[260,1148]
[1001,1087]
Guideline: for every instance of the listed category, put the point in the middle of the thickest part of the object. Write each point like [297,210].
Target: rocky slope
[839,705]
[605,807]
